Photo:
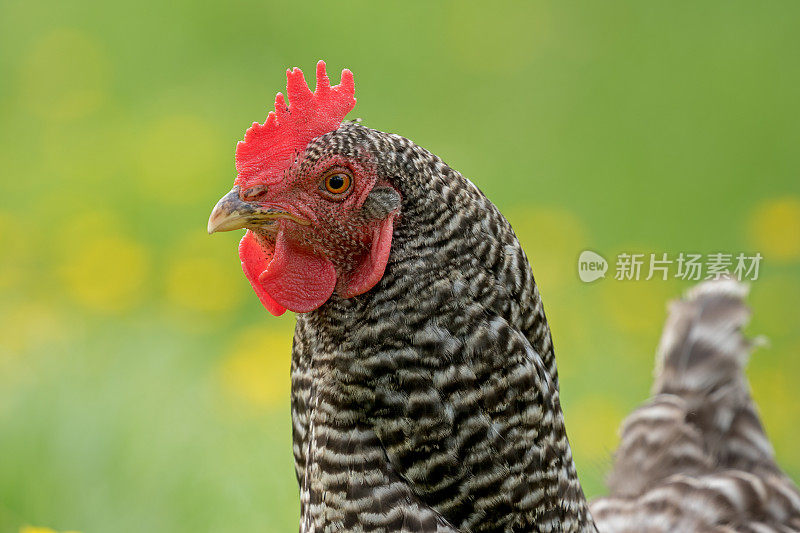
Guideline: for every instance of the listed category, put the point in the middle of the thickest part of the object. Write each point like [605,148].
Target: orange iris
[337,183]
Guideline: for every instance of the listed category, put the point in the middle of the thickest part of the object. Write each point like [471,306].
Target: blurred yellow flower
[64,75]
[775,229]
[552,238]
[106,273]
[204,275]
[181,158]
[203,284]
[257,367]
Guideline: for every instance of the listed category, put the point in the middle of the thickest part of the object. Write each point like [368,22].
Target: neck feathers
[445,371]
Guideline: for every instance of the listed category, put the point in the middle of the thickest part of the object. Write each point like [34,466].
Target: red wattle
[255,260]
[296,278]
[370,270]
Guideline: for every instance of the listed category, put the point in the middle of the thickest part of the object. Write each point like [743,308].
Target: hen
[425,394]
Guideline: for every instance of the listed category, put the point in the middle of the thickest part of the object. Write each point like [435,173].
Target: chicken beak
[232,213]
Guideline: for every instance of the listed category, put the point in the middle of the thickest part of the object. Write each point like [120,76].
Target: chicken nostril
[254,193]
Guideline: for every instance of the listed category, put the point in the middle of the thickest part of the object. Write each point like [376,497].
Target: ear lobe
[381,202]
[372,266]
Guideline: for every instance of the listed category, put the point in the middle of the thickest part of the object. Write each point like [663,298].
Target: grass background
[143,387]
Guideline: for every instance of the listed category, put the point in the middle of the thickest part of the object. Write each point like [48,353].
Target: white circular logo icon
[591,266]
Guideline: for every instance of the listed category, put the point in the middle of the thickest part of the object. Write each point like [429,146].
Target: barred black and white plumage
[431,403]
[426,399]
[695,457]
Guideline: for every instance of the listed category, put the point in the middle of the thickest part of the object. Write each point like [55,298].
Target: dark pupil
[336,182]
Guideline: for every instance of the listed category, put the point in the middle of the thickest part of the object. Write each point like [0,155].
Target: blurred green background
[142,385]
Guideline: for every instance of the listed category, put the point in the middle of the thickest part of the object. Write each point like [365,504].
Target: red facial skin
[298,266]
[324,243]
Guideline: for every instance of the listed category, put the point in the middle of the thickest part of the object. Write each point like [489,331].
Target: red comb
[268,149]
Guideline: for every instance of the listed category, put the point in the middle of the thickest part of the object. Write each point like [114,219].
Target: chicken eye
[337,183]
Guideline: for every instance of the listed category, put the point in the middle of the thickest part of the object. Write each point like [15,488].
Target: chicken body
[430,403]
[425,394]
